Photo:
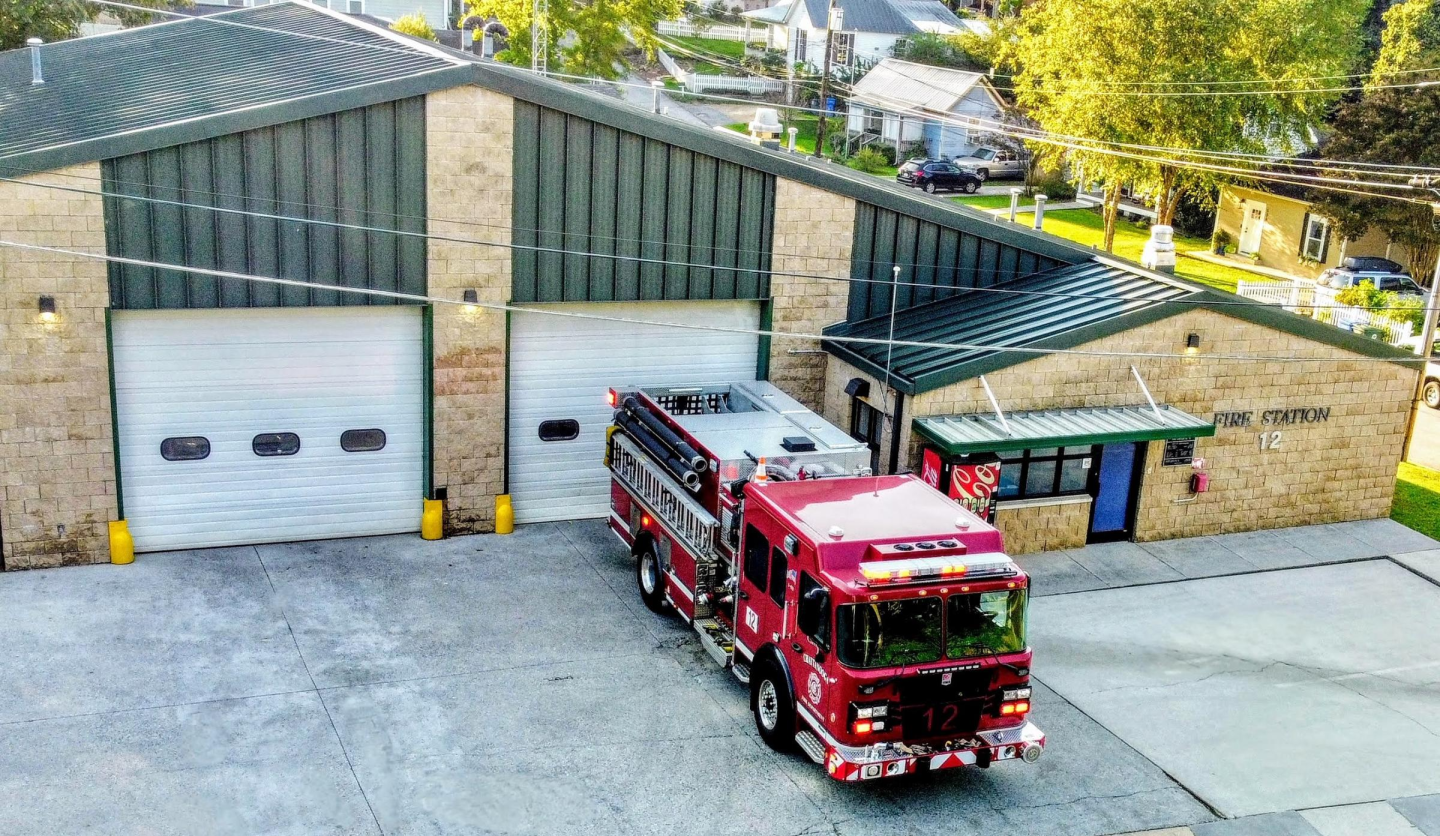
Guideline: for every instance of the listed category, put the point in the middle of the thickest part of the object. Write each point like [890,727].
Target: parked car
[937,175]
[1431,393]
[993,163]
[1381,272]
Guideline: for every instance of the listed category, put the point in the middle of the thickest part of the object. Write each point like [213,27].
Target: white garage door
[255,426]
[561,367]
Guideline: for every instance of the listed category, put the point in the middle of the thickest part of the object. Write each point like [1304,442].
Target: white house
[437,12]
[902,103]
[867,31]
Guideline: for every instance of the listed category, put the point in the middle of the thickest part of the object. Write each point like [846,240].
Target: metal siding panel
[231,230]
[551,202]
[861,253]
[137,283]
[926,243]
[322,192]
[524,285]
[677,223]
[1026,265]
[604,212]
[577,236]
[263,238]
[111,209]
[726,230]
[652,225]
[167,228]
[353,244]
[380,164]
[907,238]
[197,183]
[411,208]
[290,179]
[629,215]
[947,256]
[1007,264]
[968,267]
[767,239]
[753,205]
[883,257]
[703,207]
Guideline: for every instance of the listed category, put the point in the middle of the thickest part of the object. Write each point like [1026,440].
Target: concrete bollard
[1040,210]
[1159,252]
[793,132]
[655,95]
[1014,203]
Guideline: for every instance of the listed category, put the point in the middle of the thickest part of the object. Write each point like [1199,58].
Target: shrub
[415,25]
[1385,303]
[870,160]
[1052,184]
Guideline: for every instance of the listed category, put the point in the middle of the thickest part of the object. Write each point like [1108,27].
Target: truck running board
[811,745]
[742,671]
[716,640]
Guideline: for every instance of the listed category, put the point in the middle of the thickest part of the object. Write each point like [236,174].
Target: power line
[759,332]
[1222,303]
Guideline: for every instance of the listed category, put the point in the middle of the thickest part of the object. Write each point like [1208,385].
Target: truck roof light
[610,397]
[910,570]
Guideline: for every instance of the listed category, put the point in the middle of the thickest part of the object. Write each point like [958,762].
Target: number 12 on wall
[1270,440]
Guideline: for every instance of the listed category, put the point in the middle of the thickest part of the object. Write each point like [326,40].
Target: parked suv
[993,163]
[1381,272]
[937,175]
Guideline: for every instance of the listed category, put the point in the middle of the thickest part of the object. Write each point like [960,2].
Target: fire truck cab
[880,626]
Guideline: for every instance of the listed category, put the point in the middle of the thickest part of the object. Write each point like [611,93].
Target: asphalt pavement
[1425,449]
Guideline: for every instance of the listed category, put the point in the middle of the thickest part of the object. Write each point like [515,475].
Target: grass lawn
[725,50]
[809,125]
[1417,499]
[992,201]
[1085,227]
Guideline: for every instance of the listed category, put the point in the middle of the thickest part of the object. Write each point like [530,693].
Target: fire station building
[466,256]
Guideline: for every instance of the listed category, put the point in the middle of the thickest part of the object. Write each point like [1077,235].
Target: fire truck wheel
[774,706]
[650,581]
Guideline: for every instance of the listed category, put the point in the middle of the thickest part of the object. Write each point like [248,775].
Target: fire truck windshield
[912,631]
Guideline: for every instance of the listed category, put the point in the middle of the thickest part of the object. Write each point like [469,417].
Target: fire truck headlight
[1017,694]
[865,712]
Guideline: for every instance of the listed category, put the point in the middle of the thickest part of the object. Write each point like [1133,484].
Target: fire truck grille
[932,688]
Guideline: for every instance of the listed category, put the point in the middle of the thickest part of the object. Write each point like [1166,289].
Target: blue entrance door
[1114,512]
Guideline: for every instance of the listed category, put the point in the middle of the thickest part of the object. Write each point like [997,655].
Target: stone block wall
[1030,527]
[470,140]
[1336,470]
[57,466]
[814,231]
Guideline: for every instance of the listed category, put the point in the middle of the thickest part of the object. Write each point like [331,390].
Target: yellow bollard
[432,520]
[504,514]
[122,545]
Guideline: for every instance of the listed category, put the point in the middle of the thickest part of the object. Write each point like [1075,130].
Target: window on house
[799,46]
[1317,238]
[355,7]
[1046,471]
[866,424]
[844,49]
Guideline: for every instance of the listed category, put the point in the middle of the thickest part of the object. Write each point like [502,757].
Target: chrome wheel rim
[649,579]
[767,705]
[1432,395]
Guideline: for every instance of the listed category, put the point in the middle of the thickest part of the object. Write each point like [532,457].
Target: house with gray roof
[866,33]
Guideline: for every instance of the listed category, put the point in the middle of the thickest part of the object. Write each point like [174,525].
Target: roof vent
[37,75]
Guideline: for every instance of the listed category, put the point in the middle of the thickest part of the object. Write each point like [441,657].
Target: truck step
[742,671]
[811,745]
[716,640]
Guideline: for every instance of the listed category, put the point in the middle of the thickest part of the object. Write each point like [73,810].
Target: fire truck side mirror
[813,618]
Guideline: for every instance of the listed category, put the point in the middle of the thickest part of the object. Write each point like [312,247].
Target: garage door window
[188,448]
[362,441]
[565,429]
[275,444]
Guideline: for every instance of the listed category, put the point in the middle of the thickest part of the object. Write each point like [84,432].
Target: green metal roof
[959,434]
[186,80]
[1055,309]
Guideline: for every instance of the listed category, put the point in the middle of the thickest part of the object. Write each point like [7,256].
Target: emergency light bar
[917,569]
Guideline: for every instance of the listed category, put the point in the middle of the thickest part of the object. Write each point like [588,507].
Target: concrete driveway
[516,685]
[1425,449]
[476,685]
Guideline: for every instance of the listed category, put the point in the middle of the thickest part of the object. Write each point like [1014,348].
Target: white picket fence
[701,83]
[1304,297]
[720,31]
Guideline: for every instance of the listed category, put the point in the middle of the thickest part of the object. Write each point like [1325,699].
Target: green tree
[57,20]
[414,25]
[1071,53]
[1394,127]
[594,32]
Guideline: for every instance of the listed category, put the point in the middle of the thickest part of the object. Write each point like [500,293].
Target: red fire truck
[879,625]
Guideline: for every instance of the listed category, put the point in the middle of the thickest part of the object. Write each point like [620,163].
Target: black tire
[647,574]
[983,174]
[1431,394]
[971,187]
[930,188]
[773,705]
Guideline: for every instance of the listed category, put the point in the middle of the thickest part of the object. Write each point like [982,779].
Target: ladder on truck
[688,523]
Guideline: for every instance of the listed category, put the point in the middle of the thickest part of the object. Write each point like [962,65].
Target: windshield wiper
[995,654]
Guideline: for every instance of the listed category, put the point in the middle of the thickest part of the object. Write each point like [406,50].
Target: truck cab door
[760,612]
[809,642]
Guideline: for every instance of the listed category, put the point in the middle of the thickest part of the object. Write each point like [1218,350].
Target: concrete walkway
[1111,565]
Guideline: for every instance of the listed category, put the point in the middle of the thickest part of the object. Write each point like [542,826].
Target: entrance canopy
[985,433]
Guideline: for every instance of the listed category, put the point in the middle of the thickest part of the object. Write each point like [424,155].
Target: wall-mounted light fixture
[47,309]
[470,298]
[1192,344]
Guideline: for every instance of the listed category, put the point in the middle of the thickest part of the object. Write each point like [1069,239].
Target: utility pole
[1432,314]
[832,18]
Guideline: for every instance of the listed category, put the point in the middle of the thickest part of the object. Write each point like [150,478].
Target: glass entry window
[1045,472]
